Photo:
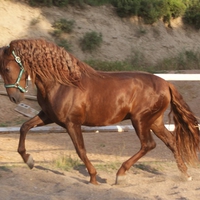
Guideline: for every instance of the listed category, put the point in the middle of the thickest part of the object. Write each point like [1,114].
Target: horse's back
[137,81]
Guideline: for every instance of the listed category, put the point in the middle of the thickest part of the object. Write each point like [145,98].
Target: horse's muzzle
[16,97]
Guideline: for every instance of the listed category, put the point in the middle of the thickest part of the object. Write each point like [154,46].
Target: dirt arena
[155,176]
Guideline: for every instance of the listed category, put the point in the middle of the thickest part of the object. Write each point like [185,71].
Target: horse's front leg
[39,120]
[77,138]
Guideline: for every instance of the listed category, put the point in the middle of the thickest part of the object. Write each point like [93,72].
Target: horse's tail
[186,128]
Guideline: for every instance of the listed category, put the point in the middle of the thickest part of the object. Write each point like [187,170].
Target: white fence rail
[180,77]
[176,77]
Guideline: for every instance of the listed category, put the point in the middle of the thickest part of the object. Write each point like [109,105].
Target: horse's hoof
[95,184]
[30,162]
[120,180]
[189,178]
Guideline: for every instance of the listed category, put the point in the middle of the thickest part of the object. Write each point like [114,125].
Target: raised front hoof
[30,162]
[121,180]
[93,183]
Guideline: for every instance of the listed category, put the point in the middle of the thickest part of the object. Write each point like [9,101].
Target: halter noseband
[16,85]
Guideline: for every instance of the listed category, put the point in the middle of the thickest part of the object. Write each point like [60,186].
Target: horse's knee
[24,128]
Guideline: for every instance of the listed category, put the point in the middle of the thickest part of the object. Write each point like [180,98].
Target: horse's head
[13,74]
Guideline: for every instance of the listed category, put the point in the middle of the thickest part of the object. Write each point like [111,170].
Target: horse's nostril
[13,99]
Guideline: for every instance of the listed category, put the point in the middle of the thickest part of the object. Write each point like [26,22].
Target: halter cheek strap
[16,85]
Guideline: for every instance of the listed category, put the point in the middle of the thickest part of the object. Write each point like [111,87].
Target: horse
[71,93]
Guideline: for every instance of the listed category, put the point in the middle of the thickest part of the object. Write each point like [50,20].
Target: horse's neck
[44,88]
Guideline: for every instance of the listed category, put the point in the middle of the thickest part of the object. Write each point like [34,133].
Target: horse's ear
[7,50]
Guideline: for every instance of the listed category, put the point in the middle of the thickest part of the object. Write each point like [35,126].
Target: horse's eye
[7,70]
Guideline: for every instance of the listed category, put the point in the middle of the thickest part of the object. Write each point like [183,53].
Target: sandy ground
[153,177]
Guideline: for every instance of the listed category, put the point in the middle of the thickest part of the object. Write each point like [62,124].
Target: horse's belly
[104,117]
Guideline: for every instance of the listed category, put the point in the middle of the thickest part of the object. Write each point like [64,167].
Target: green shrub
[109,65]
[91,41]
[34,21]
[174,9]
[40,2]
[59,3]
[56,33]
[192,14]
[187,3]
[130,65]
[149,10]
[79,3]
[127,7]
[64,43]
[177,8]
[184,60]
[64,25]
[152,10]
[61,26]
[137,59]
[96,2]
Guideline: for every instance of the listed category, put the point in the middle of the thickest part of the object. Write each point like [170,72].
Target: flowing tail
[186,128]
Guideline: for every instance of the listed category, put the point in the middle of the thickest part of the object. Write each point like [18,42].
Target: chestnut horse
[72,94]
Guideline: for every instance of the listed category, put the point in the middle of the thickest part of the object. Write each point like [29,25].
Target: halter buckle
[17,59]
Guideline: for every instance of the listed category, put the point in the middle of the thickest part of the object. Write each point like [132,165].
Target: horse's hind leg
[170,141]
[39,120]
[147,144]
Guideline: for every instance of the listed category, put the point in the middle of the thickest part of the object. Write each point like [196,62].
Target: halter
[16,85]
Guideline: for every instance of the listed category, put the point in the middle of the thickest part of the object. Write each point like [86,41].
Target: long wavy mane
[50,62]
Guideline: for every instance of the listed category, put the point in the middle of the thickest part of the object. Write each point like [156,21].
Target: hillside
[122,38]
